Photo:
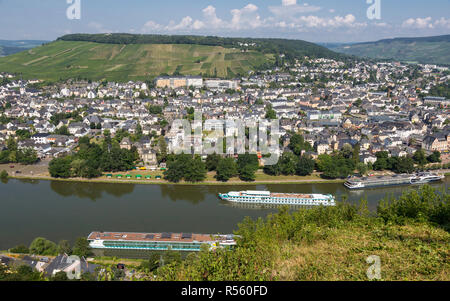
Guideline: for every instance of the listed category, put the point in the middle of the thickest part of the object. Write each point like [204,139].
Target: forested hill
[291,48]
[425,50]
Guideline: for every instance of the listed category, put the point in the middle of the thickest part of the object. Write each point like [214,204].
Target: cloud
[151,27]
[418,23]
[348,21]
[245,18]
[290,7]
[185,23]
[99,27]
[210,16]
[426,23]
[442,22]
[381,24]
[248,18]
[288,2]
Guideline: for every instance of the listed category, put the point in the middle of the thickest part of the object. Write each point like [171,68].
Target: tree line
[292,49]
[92,159]
[14,154]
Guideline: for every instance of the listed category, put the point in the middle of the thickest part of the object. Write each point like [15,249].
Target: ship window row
[152,245]
[301,202]
[282,199]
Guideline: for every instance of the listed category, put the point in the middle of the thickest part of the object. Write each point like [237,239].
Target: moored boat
[382,181]
[267,197]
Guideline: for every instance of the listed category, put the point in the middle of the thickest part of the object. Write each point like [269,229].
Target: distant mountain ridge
[8,47]
[425,50]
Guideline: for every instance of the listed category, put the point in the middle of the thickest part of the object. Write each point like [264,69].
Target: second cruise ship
[267,197]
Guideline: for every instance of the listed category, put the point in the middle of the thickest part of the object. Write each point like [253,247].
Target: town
[374,107]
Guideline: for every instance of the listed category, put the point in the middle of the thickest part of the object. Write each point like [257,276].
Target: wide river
[67,210]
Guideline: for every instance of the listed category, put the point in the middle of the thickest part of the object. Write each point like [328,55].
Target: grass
[411,252]
[410,237]
[64,60]
[115,260]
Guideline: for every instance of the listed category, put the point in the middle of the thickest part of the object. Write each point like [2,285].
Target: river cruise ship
[381,181]
[159,241]
[267,197]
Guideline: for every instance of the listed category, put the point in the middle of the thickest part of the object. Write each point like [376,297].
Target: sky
[324,21]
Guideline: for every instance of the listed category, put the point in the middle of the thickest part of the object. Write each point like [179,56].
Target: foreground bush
[333,243]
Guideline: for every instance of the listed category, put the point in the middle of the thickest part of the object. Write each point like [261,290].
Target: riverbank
[105,180]
[40,172]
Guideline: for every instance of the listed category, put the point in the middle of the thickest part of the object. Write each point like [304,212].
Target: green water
[67,210]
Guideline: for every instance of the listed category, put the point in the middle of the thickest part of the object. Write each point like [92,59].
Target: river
[67,210]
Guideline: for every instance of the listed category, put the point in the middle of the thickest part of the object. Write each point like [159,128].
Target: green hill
[124,57]
[427,50]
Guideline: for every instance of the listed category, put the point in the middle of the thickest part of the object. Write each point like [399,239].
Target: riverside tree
[226,169]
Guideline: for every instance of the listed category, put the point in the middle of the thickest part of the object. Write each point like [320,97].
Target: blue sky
[313,20]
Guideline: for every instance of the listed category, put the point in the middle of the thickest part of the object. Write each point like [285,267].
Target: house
[148,156]
[40,138]
[323,147]
[436,142]
[125,143]
[63,263]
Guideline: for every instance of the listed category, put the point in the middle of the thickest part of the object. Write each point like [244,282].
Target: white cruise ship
[267,197]
[381,181]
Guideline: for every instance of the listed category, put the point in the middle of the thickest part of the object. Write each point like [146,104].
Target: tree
[64,247]
[4,175]
[435,157]
[247,166]
[361,168]
[305,166]
[64,130]
[60,167]
[273,170]
[297,144]
[175,171]
[42,246]
[248,159]
[27,156]
[288,164]
[404,165]
[420,158]
[356,151]
[271,114]
[162,147]
[20,249]
[347,151]
[81,247]
[155,109]
[60,276]
[212,161]
[247,173]
[382,161]
[195,171]
[226,169]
